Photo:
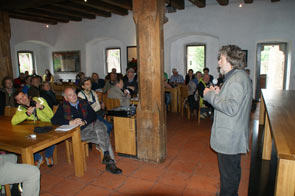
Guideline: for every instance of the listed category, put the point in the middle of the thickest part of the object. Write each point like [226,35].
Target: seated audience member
[189,76]
[97,83]
[2,103]
[12,173]
[48,77]
[79,77]
[192,98]
[48,94]
[206,71]
[130,83]
[110,83]
[203,83]
[167,94]
[8,90]
[34,90]
[77,111]
[19,82]
[35,108]
[26,73]
[91,97]
[176,78]
[27,84]
[117,92]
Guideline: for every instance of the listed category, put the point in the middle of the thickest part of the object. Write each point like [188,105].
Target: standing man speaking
[230,129]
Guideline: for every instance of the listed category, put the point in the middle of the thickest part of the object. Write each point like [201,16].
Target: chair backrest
[112,103]
[9,111]
[183,92]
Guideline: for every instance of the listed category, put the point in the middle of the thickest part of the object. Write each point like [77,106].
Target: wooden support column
[151,119]
[5,56]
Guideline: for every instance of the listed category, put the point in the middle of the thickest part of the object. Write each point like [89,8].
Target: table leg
[77,151]
[267,143]
[285,179]
[27,156]
[262,111]
[174,100]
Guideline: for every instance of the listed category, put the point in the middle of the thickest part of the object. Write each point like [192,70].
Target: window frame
[106,59]
[25,51]
[205,55]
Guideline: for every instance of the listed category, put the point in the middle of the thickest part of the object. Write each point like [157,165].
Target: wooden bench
[277,114]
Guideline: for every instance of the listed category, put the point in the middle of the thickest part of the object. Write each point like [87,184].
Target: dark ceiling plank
[103,6]
[125,4]
[41,16]
[177,4]
[199,3]
[23,4]
[248,1]
[53,15]
[24,17]
[222,2]
[275,0]
[83,8]
[69,12]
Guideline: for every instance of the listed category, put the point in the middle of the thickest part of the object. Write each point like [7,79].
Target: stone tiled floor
[190,169]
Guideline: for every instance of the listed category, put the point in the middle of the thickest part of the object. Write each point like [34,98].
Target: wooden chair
[183,101]
[7,190]
[9,111]
[54,109]
[111,103]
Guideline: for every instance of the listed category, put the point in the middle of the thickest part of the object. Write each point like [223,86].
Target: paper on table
[65,127]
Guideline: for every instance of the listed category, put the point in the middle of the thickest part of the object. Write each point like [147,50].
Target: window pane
[25,60]
[113,60]
[195,58]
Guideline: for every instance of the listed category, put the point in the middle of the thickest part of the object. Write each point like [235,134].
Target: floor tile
[67,188]
[91,190]
[136,186]
[109,181]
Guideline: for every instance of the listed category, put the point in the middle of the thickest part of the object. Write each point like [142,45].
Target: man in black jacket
[74,111]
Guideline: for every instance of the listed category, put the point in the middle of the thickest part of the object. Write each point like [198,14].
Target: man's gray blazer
[230,129]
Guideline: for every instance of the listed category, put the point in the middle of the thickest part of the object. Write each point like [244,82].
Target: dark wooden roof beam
[23,4]
[54,15]
[103,6]
[83,8]
[275,0]
[248,1]
[34,15]
[68,12]
[125,4]
[33,19]
[199,3]
[222,2]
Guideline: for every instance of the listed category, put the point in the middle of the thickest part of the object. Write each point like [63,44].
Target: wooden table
[125,135]
[15,139]
[174,97]
[277,113]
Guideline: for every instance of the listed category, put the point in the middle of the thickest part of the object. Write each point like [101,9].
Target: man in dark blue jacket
[74,111]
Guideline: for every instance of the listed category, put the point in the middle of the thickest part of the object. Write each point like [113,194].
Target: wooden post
[151,119]
[5,56]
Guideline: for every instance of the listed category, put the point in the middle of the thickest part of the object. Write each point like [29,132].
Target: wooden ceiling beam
[69,12]
[53,15]
[84,9]
[177,4]
[103,6]
[222,2]
[199,3]
[40,16]
[33,19]
[125,4]
[23,4]
[275,0]
[248,1]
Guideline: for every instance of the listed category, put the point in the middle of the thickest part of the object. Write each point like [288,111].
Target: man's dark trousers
[230,173]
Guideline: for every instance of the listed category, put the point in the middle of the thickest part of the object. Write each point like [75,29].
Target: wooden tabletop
[15,139]
[280,108]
